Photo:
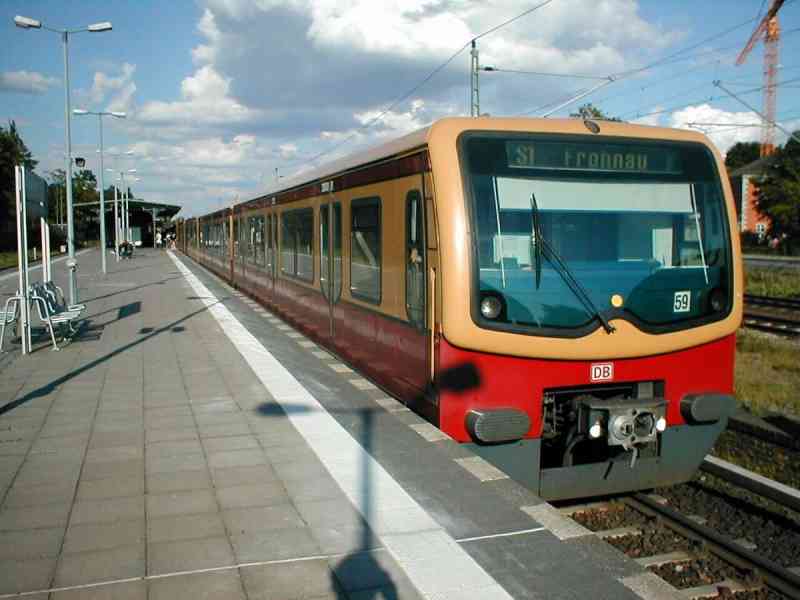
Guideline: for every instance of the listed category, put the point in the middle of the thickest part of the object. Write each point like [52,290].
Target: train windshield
[572,232]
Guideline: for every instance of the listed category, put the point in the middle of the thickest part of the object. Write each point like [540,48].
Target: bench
[54,312]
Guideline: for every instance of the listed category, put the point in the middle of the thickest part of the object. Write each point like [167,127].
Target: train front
[590,294]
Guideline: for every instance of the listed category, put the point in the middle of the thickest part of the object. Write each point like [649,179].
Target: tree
[590,111]
[741,154]
[779,194]
[13,151]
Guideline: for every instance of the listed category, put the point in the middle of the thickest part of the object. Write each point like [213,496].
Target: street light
[100,115]
[125,215]
[28,23]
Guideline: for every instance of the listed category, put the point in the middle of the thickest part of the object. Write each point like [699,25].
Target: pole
[474,84]
[22,257]
[49,263]
[102,202]
[116,225]
[125,217]
[43,232]
[73,284]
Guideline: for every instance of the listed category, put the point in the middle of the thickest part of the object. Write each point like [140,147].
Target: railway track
[760,313]
[682,547]
[771,324]
[736,553]
[755,300]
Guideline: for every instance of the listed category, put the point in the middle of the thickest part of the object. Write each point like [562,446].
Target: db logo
[602,372]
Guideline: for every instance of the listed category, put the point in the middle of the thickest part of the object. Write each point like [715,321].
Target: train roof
[420,137]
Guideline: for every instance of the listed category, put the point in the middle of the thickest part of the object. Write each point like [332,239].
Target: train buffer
[191,442]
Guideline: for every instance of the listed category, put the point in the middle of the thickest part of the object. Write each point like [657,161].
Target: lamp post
[28,23]
[100,115]
[126,218]
[117,198]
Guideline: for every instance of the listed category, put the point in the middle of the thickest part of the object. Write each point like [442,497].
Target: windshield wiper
[542,247]
[536,235]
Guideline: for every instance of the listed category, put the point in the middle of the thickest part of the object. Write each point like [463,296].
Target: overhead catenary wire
[425,80]
[673,57]
[545,74]
[708,99]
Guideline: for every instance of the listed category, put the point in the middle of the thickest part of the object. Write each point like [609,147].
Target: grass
[8,259]
[767,373]
[775,282]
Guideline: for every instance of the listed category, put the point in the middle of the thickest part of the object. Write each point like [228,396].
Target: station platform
[189,444]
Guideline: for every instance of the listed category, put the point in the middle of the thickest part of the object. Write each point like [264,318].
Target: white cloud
[26,82]
[287,151]
[205,102]
[103,84]
[723,137]
[653,120]
[278,81]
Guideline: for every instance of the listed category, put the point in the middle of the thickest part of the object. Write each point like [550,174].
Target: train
[560,295]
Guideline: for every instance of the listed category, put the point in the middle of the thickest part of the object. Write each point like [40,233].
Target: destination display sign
[609,158]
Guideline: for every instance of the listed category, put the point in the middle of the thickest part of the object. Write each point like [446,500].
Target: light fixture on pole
[28,23]
[100,115]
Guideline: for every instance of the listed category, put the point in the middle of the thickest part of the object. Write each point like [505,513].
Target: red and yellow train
[561,295]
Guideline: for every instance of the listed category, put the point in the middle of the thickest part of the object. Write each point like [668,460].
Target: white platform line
[97,584]
[434,562]
[493,536]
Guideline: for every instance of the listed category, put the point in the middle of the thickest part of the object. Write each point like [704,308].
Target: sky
[220,93]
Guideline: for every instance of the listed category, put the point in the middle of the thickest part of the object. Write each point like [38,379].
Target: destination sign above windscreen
[607,158]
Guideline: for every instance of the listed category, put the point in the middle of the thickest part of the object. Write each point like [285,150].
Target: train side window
[297,243]
[415,259]
[365,249]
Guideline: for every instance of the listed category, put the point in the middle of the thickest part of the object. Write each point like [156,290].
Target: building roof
[757,167]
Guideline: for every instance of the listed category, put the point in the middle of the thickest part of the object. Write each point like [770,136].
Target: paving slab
[156,459]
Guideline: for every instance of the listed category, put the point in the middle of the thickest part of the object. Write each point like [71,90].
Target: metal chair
[9,316]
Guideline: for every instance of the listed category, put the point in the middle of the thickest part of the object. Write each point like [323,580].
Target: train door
[272,248]
[330,225]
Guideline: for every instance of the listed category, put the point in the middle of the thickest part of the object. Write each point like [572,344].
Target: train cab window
[415,259]
[571,231]
[365,249]
[297,243]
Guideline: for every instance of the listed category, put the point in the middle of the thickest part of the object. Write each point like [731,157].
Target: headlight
[491,307]
[717,300]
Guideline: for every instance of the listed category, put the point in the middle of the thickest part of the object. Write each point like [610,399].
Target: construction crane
[770,30]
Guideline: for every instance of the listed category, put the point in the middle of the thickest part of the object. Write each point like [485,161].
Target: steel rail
[771,324]
[756,300]
[772,574]
[758,484]
[774,436]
